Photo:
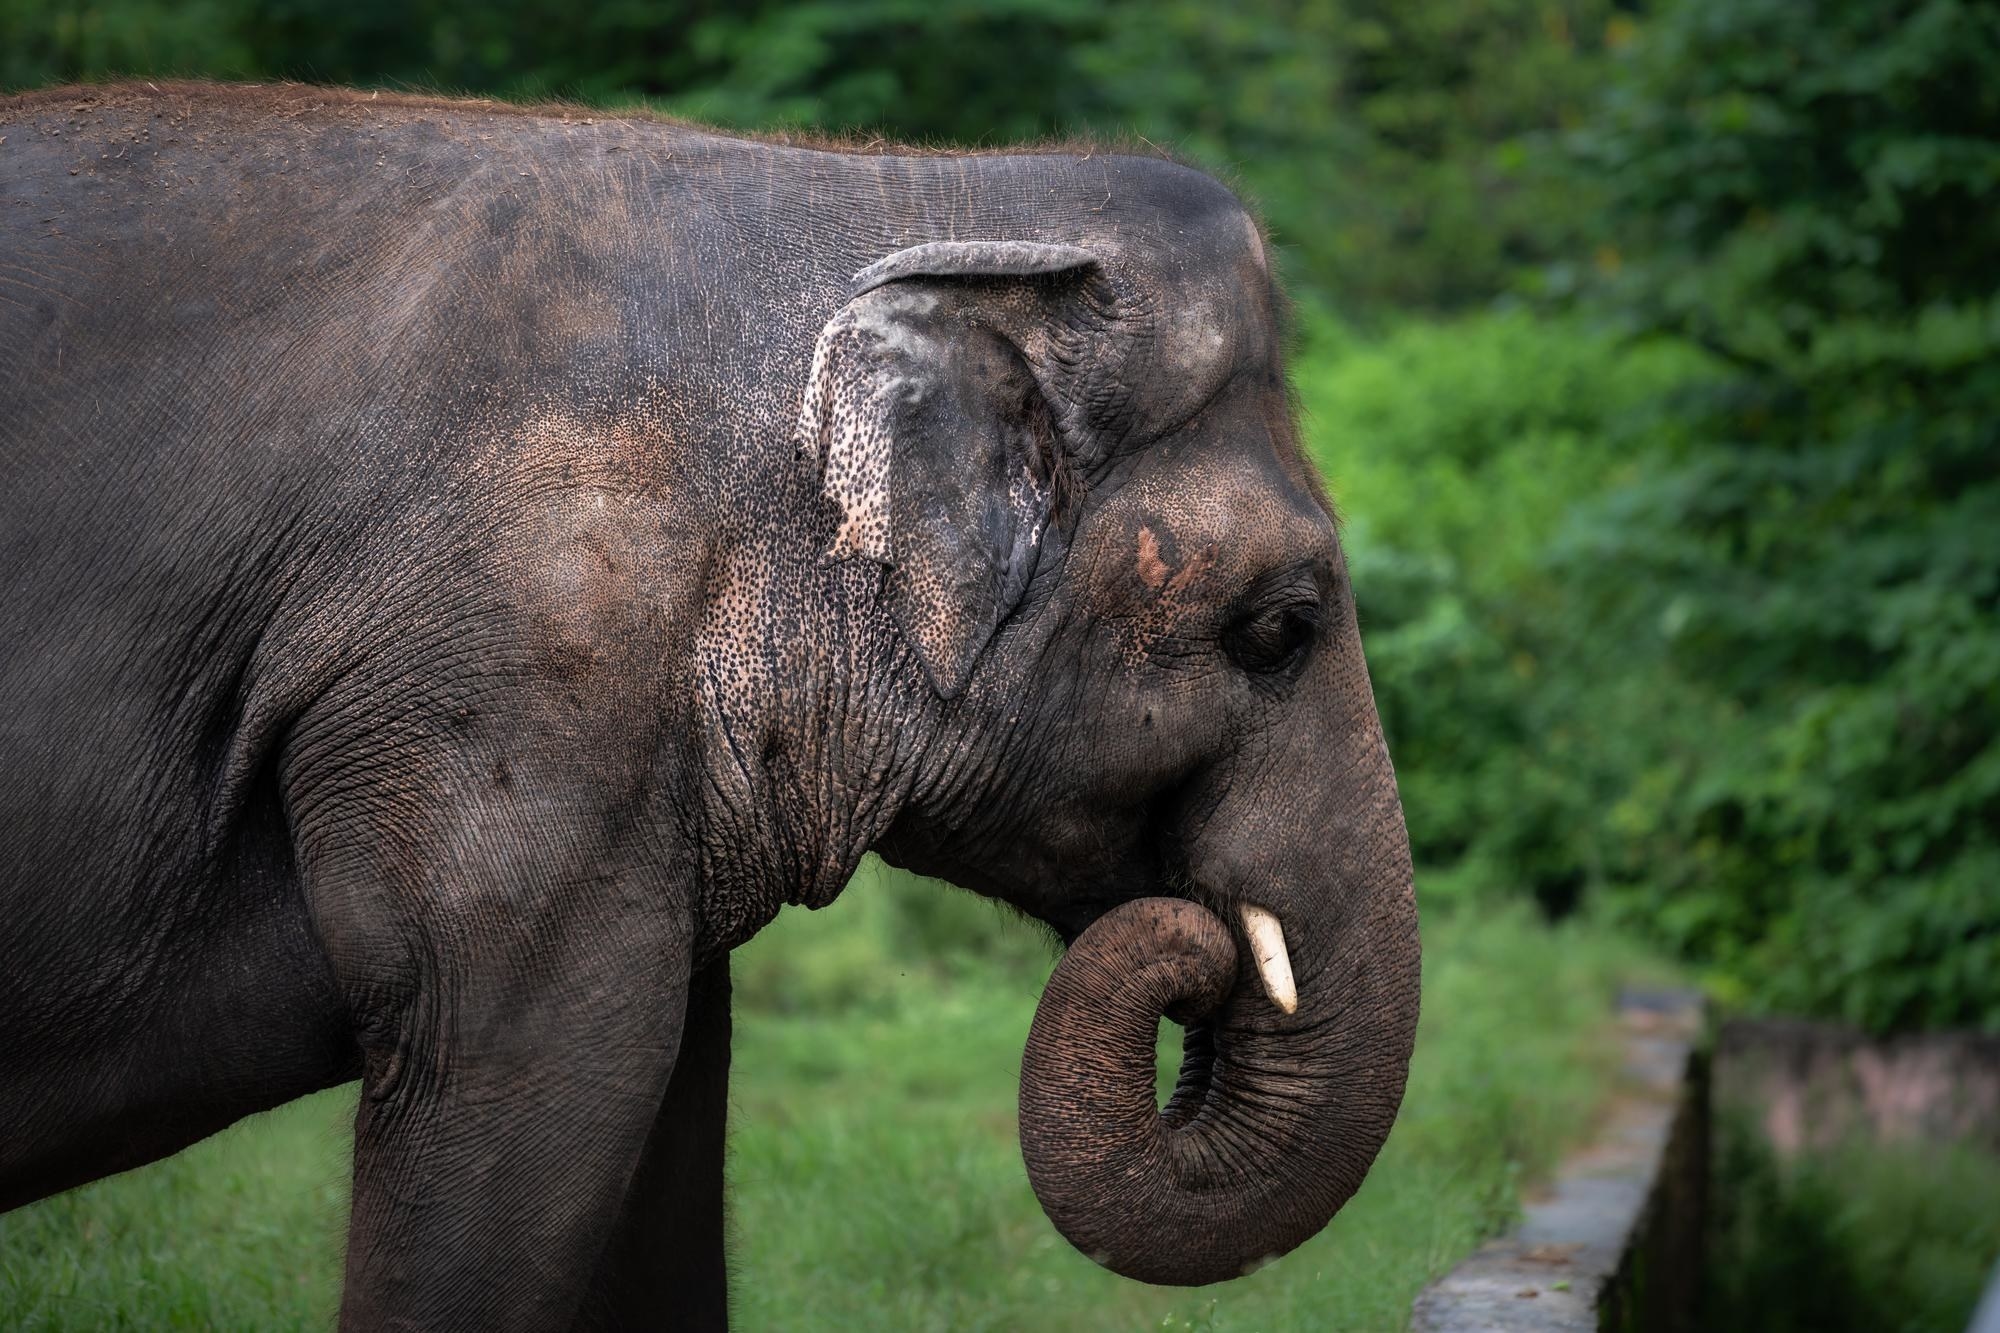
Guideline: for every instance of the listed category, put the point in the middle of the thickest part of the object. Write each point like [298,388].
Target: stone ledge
[1615,1241]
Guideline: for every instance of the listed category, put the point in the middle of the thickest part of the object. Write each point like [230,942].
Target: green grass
[876,1183]
[1861,1238]
[239,1232]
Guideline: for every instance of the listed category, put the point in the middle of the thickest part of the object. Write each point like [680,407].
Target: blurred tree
[1813,194]
[1714,638]
[1459,451]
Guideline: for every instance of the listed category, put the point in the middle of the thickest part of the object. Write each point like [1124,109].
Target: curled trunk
[1277,1116]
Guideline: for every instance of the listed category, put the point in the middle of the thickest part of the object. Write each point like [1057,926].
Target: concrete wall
[1615,1243]
[1815,1085]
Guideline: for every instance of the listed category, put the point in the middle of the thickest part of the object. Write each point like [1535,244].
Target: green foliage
[1813,566]
[1572,715]
[1868,1238]
[875,1178]
[928,930]
[1457,454]
[1712,638]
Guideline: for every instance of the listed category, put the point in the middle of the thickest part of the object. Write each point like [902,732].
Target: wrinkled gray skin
[463,570]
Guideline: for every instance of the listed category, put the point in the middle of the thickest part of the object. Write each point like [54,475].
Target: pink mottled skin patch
[1152,570]
[1158,575]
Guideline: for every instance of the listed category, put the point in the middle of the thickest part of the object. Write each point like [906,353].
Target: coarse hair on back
[294,101]
[290,100]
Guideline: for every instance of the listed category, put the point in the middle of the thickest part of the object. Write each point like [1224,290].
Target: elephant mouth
[1260,935]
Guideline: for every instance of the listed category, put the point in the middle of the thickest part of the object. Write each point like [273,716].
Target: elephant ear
[934,440]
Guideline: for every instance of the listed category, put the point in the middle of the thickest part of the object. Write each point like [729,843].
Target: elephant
[468,566]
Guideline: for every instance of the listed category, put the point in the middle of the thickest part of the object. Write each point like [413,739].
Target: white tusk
[1274,965]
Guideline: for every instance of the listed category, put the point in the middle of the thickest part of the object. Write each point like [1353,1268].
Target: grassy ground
[876,1181]
[1863,1238]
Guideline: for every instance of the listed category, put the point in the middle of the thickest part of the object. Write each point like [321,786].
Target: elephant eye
[1274,640]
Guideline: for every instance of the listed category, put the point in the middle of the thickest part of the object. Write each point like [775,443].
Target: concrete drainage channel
[1615,1243]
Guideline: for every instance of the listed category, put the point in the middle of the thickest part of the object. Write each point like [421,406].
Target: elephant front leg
[666,1266]
[501,1126]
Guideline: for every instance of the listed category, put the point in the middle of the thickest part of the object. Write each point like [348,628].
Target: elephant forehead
[1205,521]
[1171,558]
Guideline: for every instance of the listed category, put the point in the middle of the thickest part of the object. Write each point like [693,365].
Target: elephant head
[1144,717]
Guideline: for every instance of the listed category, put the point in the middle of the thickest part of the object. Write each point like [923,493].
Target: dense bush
[1457,454]
[1567,720]
[1713,636]
[1813,563]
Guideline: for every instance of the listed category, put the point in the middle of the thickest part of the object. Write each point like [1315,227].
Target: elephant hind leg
[666,1264]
